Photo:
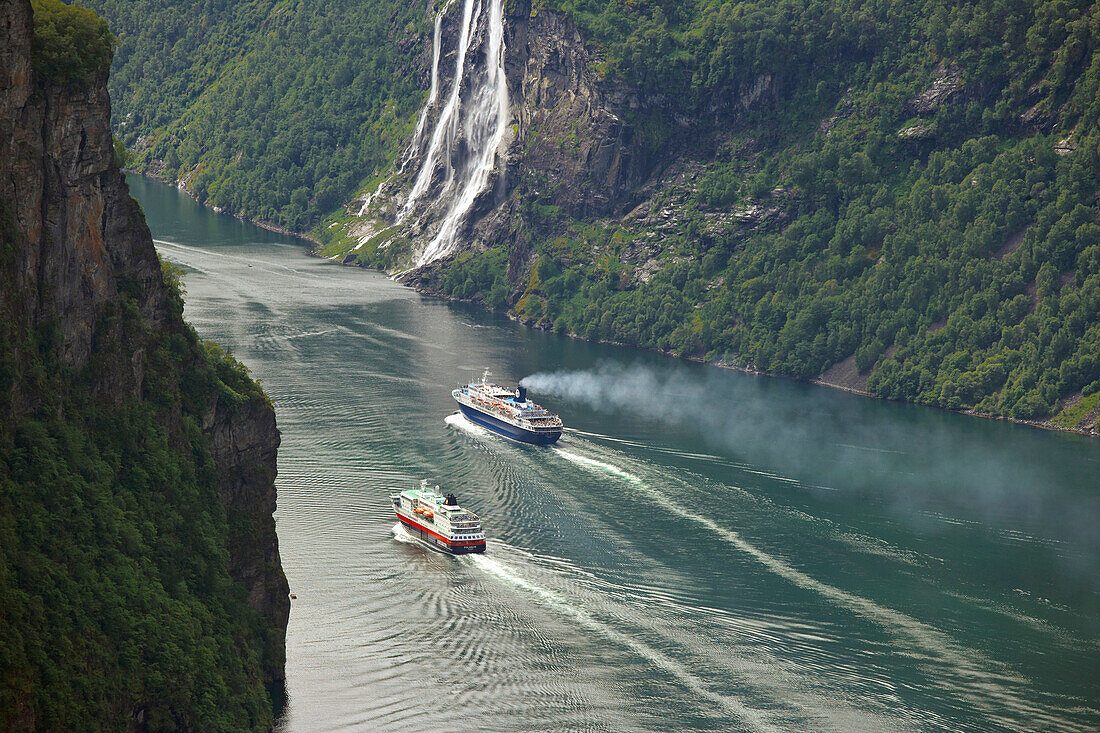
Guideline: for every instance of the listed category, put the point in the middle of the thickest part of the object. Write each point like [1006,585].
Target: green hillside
[119,605]
[951,244]
[273,109]
[115,599]
[929,171]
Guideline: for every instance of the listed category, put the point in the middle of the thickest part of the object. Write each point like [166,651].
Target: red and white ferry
[439,521]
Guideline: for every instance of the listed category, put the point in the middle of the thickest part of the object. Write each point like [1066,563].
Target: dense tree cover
[269,109]
[69,42]
[916,282]
[115,599]
[959,262]
[696,54]
[934,237]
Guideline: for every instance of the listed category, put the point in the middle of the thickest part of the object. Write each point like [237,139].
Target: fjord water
[714,551]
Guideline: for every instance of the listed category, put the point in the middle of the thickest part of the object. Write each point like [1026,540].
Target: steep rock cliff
[573,145]
[577,146]
[83,236]
[86,317]
[567,143]
[245,444]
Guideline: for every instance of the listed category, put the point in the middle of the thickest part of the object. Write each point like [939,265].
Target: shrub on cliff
[69,42]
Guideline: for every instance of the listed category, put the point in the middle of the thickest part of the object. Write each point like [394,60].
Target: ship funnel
[451,500]
[521,394]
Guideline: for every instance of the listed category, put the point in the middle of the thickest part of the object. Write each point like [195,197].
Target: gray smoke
[922,463]
[726,409]
[635,389]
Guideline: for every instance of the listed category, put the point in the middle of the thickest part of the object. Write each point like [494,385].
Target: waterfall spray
[469,130]
[418,136]
[446,126]
[433,94]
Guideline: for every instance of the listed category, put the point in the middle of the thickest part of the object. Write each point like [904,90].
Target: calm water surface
[703,550]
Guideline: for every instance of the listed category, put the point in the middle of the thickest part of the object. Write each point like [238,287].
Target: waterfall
[433,94]
[469,129]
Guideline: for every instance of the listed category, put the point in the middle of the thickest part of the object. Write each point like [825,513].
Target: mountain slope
[140,583]
[896,197]
[270,109]
[904,193]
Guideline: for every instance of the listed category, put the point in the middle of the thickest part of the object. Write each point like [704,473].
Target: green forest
[116,604]
[114,593]
[115,596]
[271,109]
[70,43]
[953,251]
[946,241]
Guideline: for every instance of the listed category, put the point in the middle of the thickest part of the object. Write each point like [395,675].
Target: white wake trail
[459,421]
[979,678]
[755,718]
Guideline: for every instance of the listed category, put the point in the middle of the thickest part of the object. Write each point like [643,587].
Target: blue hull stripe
[507,429]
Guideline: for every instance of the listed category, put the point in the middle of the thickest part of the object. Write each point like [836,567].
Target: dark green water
[703,550]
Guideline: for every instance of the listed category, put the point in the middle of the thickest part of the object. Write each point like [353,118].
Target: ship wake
[984,683]
[458,421]
[756,719]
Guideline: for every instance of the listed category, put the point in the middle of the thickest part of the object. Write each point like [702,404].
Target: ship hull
[507,429]
[437,541]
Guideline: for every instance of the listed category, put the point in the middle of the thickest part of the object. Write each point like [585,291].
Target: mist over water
[818,441]
[703,550]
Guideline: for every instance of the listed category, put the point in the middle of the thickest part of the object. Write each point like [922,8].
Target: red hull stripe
[438,536]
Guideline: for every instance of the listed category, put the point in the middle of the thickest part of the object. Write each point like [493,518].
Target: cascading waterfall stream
[433,94]
[469,130]
[445,127]
[421,123]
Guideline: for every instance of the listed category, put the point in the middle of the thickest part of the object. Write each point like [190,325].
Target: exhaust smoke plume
[840,445]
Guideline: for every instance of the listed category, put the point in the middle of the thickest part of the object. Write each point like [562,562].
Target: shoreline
[817,381]
[218,210]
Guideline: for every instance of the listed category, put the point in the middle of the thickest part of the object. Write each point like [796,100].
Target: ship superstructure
[439,521]
[506,412]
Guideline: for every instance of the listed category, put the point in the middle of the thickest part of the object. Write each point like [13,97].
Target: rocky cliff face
[572,144]
[245,444]
[82,236]
[567,141]
[79,254]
